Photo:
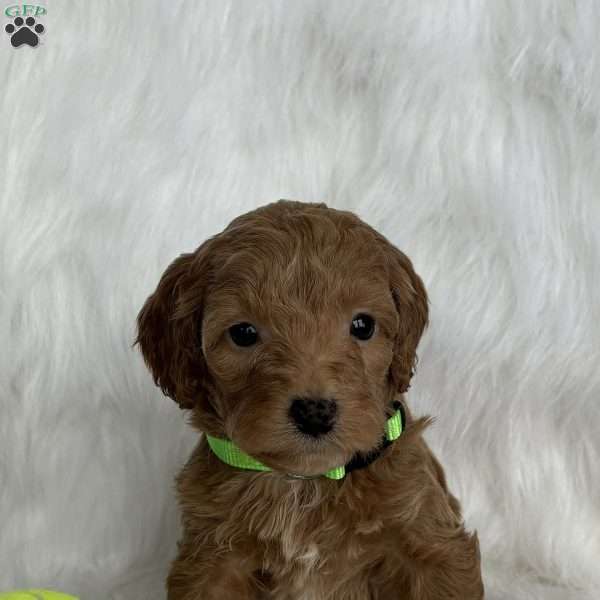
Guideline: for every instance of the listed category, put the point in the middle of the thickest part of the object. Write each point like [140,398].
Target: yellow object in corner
[35,595]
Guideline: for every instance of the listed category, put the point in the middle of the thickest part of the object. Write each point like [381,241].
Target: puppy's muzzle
[313,416]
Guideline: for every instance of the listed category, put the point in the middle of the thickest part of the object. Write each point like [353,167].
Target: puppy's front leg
[434,558]
[443,559]
[435,568]
[450,574]
[208,574]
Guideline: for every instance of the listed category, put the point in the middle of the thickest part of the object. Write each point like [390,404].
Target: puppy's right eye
[362,326]
[243,334]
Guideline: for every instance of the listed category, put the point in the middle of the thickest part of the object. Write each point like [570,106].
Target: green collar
[233,456]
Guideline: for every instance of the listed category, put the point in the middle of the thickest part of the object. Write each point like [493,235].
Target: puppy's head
[290,333]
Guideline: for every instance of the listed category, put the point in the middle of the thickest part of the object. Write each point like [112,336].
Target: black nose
[313,416]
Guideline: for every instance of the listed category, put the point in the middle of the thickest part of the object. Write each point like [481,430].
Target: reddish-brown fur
[391,531]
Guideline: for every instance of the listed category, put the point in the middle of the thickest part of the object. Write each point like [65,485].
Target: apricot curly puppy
[291,336]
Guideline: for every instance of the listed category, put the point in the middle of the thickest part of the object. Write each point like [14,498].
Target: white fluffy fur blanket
[468,132]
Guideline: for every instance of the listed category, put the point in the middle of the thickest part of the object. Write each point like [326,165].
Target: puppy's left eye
[362,326]
[243,334]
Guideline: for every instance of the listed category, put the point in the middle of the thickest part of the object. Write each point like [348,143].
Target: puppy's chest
[307,543]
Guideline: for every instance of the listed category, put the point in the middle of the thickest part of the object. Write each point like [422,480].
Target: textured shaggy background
[468,132]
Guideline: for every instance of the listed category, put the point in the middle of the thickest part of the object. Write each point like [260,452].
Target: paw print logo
[24,32]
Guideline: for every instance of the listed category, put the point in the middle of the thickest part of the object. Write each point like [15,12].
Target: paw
[24,32]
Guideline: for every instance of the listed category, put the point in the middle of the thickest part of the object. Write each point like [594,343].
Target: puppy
[291,337]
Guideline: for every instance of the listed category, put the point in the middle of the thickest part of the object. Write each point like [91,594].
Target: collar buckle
[293,476]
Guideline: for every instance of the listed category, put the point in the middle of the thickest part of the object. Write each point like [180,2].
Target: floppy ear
[411,303]
[169,330]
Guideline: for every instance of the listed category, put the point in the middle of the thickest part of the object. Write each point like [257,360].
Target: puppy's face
[290,333]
